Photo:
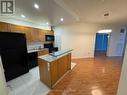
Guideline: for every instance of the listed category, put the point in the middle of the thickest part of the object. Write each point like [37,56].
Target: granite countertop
[50,57]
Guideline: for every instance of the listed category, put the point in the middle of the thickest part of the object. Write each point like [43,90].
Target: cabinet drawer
[43,52]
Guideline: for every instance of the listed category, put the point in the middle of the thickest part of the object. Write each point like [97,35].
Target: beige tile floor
[29,84]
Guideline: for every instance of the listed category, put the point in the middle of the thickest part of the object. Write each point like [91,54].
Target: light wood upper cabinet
[4,27]
[22,29]
[38,34]
[47,32]
[41,35]
[32,34]
[35,34]
[27,31]
[16,28]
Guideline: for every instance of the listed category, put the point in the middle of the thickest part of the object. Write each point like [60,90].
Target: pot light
[23,16]
[47,23]
[36,6]
[61,19]
[105,31]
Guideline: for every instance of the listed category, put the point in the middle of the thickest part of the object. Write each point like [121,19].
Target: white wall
[3,90]
[122,88]
[81,38]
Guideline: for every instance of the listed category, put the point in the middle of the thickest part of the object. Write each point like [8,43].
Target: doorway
[101,44]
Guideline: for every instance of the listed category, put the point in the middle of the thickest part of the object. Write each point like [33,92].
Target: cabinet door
[22,29]
[16,28]
[43,52]
[44,70]
[27,31]
[4,27]
[54,72]
[41,35]
[35,34]
[62,66]
[47,32]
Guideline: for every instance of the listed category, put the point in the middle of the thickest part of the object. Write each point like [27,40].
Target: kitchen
[48,47]
[24,48]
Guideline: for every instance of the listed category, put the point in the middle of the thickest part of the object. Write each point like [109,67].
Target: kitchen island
[53,66]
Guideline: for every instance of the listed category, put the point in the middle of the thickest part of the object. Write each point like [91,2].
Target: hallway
[98,76]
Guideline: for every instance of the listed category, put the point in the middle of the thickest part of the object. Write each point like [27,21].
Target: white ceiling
[93,10]
[90,11]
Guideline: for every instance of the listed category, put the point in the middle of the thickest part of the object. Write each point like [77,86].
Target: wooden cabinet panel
[62,66]
[69,62]
[54,72]
[51,72]
[41,35]
[22,29]
[38,35]
[17,28]
[35,34]
[47,32]
[43,52]
[27,31]
[44,72]
[4,27]
[32,34]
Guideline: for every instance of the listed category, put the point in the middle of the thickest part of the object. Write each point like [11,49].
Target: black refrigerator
[13,51]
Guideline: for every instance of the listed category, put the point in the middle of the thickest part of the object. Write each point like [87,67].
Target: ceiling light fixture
[36,6]
[105,31]
[47,23]
[23,16]
[61,19]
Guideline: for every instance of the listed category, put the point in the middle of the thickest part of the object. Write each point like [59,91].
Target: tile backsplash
[35,46]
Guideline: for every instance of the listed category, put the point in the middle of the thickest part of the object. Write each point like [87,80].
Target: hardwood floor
[97,76]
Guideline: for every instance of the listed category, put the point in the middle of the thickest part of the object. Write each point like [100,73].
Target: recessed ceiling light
[62,19]
[23,16]
[36,6]
[47,23]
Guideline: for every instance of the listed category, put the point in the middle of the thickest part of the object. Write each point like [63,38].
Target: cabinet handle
[48,65]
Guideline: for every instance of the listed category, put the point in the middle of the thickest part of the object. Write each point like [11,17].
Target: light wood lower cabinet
[43,52]
[54,72]
[51,72]
[62,65]
[69,61]
[45,74]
